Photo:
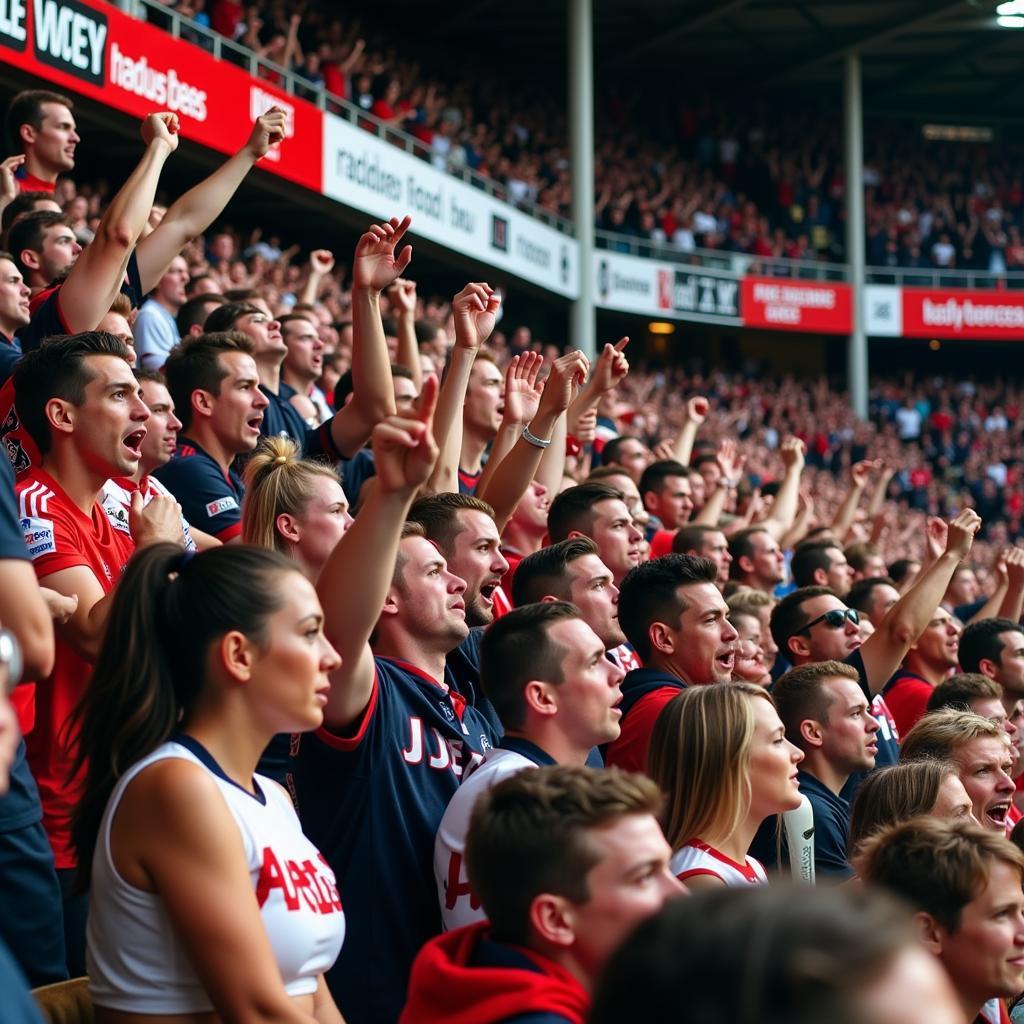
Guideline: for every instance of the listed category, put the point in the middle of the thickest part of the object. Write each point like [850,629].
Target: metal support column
[581,130]
[853,152]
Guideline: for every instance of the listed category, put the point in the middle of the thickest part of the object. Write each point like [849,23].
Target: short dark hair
[544,572]
[691,537]
[528,836]
[573,509]
[193,312]
[57,369]
[438,514]
[810,556]
[980,640]
[426,330]
[741,546]
[224,318]
[900,569]
[149,376]
[937,866]
[29,232]
[195,366]
[293,317]
[27,108]
[654,476]
[958,691]
[517,648]
[650,593]
[788,616]
[800,695]
[859,595]
[23,203]
[610,452]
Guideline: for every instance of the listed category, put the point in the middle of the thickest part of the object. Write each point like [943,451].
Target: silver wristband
[537,442]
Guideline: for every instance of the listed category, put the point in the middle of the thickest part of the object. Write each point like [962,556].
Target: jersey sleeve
[12,539]
[629,751]
[52,540]
[207,500]
[46,321]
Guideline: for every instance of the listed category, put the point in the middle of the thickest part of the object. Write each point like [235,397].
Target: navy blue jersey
[46,314]
[19,1007]
[210,498]
[372,801]
[355,472]
[468,481]
[10,353]
[282,419]
[462,673]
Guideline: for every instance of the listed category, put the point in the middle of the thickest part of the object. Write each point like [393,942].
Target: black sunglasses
[834,619]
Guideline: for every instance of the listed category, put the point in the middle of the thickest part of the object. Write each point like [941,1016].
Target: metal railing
[222,48]
[928,277]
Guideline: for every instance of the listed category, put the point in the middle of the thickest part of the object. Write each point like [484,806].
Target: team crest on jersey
[446,710]
[39,538]
[221,505]
[116,515]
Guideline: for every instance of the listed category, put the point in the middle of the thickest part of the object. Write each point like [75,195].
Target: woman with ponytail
[721,757]
[206,898]
[293,505]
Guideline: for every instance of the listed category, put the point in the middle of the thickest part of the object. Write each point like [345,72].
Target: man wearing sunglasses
[812,624]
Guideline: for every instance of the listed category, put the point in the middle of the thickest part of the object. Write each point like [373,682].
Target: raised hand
[155,522]
[935,535]
[321,262]
[697,409]
[586,427]
[268,130]
[612,366]
[664,450]
[567,376]
[792,452]
[861,471]
[1014,566]
[474,311]
[404,449]
[163,127]
[963,528]
[522,390]
[730,461]
[8,182]
[403,296]
[375,265]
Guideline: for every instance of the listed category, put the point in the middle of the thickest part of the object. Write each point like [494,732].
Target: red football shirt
[59,535]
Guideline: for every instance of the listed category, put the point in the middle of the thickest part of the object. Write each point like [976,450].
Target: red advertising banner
[959,313]
[93,49]
[797,305]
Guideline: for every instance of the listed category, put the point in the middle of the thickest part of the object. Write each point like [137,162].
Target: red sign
[783,305]
[95,50]
[982,315]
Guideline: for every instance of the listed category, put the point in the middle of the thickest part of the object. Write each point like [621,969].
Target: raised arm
[373,392]
[888,645]
[517,469]
[403,301]
[197,209]
[1012,605]
[731,464]
[843,519]
[696,413]
[98,272]
[321,263]
[784,508]
[474,310]
[404,453]
[610,370]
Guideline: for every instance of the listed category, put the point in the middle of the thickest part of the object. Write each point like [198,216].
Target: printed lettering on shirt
[313,884]
[214,508]
[116,514]
[39,538]
[440,752]
[457,885]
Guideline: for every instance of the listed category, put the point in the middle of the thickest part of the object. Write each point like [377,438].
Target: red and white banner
[93,49]
[960,313]
[797,305]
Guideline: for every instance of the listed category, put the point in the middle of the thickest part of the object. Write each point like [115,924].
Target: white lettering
[12,19]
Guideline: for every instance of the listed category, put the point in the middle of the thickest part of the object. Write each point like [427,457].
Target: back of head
[278,481]
[800,694]
[528,836]
[958,692]
[573,509]
[195,366]
[169,608]
[516,649]
[893,794]
[195,311]
[900,569]
[545,572]
[859,595]
[980,641]
[438,514]
[939,733]
[651,593]
[789,617]
[808,558]
[859,555]
[774,954]
[58,369]
[699,757]
[936,866]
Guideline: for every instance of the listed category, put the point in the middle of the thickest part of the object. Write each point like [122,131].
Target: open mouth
[254,422]
[487,591]
[997,814]
[133,442]
[726,660]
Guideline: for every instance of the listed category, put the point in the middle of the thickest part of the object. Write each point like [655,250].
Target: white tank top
[136,961]
[697,858]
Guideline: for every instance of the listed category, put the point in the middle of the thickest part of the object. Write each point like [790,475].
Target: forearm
[408,354]
[1012,604]
[84,631]
[311,289]
[713,507]
[843,519]
[785,508]
[552,462]
[993,605]
[909,616]
[129,210]
[683,447]
[448,421]
[504,441]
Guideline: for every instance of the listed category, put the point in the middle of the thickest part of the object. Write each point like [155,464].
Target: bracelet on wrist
[537,442]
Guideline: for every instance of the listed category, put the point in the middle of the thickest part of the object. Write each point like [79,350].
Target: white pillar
[853,152]
[581,130]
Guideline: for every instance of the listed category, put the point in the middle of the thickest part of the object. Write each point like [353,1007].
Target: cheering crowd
[381,669]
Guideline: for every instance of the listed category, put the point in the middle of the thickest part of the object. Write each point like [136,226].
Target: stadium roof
[918,56]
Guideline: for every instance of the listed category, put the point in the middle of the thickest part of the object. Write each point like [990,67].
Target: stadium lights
[1010,7]
[1010,21]
[661,327]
